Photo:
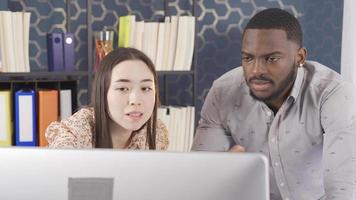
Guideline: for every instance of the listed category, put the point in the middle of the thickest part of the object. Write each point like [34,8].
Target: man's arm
[210,134]
[338,119]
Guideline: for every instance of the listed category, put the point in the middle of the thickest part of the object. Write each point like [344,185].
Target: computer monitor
[59,174]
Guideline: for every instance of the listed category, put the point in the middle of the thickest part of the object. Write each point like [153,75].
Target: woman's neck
[120,136]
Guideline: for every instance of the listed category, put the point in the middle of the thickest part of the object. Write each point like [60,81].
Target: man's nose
[258,67]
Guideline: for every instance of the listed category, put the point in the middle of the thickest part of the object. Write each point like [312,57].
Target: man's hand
[237,148]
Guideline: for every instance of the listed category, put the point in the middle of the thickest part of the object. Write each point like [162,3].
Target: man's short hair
[275,18]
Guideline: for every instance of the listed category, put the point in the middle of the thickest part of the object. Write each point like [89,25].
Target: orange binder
[47,112]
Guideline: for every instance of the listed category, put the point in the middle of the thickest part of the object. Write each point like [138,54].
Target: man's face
[269,62]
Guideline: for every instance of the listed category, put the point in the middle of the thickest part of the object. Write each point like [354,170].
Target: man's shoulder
[230,79]
[320,72]
[321,79]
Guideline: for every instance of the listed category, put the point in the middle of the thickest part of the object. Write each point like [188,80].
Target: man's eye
[272,59]
[246,58]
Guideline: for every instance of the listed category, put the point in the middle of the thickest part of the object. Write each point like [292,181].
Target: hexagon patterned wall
[219,27]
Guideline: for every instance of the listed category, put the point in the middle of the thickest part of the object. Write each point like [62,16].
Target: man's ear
[301,56]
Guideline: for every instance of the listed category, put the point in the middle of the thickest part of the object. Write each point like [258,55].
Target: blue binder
[25,118]
[55,52]
[68,51]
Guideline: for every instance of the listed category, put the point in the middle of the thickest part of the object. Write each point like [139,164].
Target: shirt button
[281,184]
[287,198]
[273,140]
[276,164]
[269,113]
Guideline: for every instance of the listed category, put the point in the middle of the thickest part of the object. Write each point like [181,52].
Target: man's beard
[285,85]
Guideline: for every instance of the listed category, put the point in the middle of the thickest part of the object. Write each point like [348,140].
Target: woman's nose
[134,98]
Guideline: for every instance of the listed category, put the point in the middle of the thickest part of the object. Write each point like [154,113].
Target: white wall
[348,50]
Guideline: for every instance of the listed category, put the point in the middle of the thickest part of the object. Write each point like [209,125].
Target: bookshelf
[40,78]
[39,75]
[81,19]
[36,83]
[161,74]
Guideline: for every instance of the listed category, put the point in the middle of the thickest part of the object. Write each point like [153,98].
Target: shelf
[174,72]
[168,72]
[25,75]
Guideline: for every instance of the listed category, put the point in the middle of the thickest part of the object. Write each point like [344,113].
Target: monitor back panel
[42,174]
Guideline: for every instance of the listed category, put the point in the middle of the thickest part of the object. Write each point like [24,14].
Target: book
[181,43]
[126,30]
[47,112]
[185,43]
[2,45]
[1,68]
[5,118]
[131,23]
[65,103]
[149,42]
[172,42]
[68,51]
[167,31]
[138,35]
[160,46]
[25,118]
[26,39]
[55,52]
[188,58]
[8,38]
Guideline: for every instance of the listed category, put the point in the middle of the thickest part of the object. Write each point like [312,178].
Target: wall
[220,24]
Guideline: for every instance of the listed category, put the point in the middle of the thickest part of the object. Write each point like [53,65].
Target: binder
[47,112]
[65,103]
[5,118]
[25,118]
[68,51]
[55,52]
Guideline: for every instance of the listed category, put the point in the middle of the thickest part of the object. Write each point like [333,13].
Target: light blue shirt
[310,142]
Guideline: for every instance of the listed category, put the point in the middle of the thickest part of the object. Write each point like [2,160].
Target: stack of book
[14,41]
[180,124]
[169,44]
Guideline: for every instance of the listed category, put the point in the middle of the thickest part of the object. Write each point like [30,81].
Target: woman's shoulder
[162,141]
[75,131]
[139,140]
[85,112]
[83,118]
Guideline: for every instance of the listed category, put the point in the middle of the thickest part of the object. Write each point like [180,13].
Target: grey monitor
[43,174]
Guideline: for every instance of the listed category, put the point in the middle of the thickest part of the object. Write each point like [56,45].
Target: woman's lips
[134,115]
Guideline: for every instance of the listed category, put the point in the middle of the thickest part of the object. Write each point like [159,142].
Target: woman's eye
[146,89]
[122,89]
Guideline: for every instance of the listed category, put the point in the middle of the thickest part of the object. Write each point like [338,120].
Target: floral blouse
[77,130]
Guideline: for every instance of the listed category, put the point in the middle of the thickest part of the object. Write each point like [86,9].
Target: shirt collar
[297,84]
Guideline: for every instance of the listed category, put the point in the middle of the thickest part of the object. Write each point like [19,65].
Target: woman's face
[131,94]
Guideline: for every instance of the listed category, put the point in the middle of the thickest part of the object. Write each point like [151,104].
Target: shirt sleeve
[210,134]
[338,119]
[74,132]
[162,140]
